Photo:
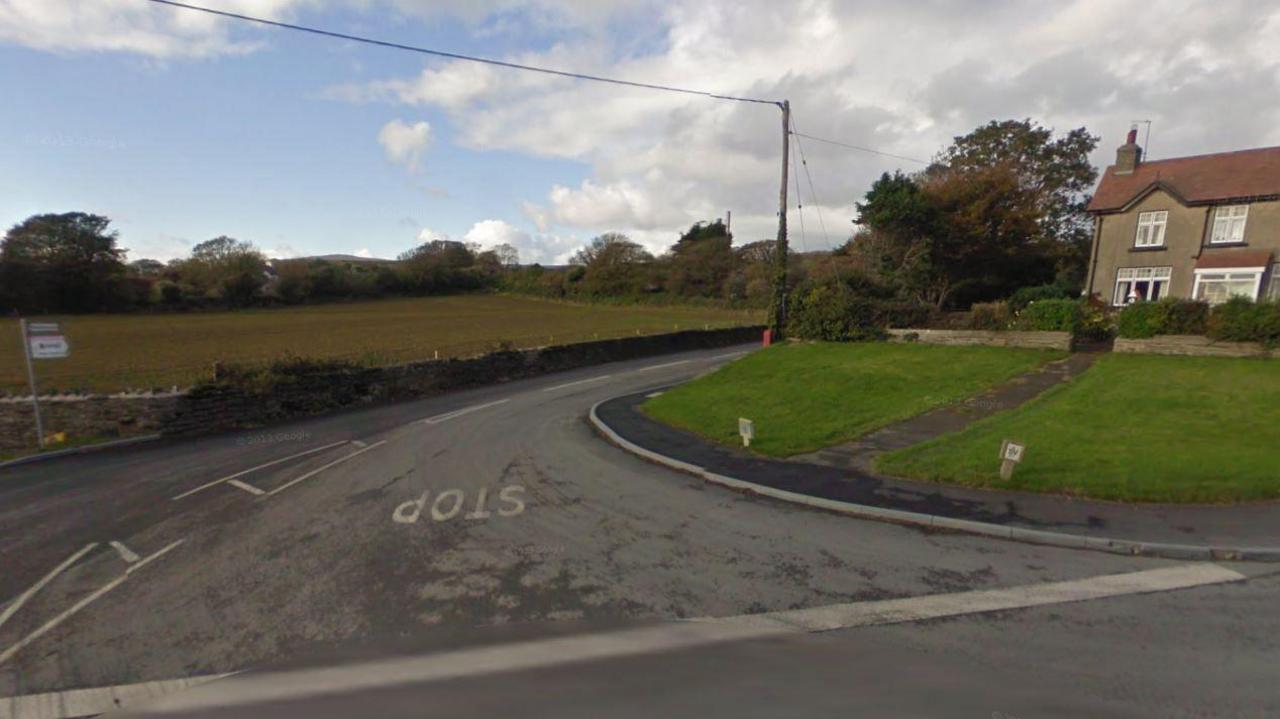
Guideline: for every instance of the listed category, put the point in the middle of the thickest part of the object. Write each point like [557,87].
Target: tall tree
[1055,172]
[61,263]
[701,261]
[226,269]
[613,264]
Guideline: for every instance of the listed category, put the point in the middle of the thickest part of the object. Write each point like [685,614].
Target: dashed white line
[245,486]
[459,412]
[154,556]
[264,465]
[128,555]
[730,354]
[16,604]
[257,689]
[84,602]
[574,384]
[660,366]
[318,470]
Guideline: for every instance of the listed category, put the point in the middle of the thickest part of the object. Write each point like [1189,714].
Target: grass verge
[803,397]
[1133,428]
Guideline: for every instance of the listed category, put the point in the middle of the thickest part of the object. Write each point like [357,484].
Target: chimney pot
[1129,154]
[1133,136]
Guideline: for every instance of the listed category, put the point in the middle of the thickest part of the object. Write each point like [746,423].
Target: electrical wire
[458,56]
[795,176]
[851,147]
[813,193]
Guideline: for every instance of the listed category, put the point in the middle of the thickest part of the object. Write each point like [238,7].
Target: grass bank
[116,352]
[1132,428]
[803,397]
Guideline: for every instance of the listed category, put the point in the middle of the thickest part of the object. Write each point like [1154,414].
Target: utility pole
[778,315]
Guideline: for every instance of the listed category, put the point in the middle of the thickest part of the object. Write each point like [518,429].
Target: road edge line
[1110,545]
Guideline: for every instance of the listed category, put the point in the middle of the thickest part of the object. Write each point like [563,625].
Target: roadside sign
[747,429]
[48,346]
[43,328]
[1011,453]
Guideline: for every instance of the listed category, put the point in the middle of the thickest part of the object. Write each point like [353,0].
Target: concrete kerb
[86,449]
[1031,536]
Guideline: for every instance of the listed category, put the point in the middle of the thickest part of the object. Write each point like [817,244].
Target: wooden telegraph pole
[778,317]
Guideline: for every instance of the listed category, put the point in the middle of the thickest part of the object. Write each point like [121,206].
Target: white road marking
[260,688]
[573,384]
[932,606]
[272,463]
[16,604]
[358,443]
[459,412]
[245,486]
[84,602]
[125,553]
[651,395]
[97,700]
[730,354]
[660,366]
[318,470]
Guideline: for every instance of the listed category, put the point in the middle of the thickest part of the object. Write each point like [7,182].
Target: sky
[180,126]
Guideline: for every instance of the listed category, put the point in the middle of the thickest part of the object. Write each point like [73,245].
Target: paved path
[231,555]
[861,453]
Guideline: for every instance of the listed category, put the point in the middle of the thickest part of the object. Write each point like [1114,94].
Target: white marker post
[1011,453]
[747,429]
[40,340]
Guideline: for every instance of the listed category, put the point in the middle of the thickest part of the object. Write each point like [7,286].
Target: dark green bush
[1027,295]
[1240,320]
[833,313]
[1169,316]
[989,316]
[1050,316]
[1096,323]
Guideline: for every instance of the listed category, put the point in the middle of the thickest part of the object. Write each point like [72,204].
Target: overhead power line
[851,147]
[457,56]
[813,194]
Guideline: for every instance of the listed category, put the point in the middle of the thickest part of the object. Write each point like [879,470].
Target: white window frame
[1158,280]
[1151,226]
[1228,272]
[1273,292]
[1228,224]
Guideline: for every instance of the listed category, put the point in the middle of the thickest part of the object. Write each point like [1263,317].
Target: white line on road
[261,688]
[731,354]
[459,412]
[358,443]
[245,486]
[660,366]
[573,384]
[318,470]
[84,602]
[125,553]
[98,700]
[272,463]
[16,604]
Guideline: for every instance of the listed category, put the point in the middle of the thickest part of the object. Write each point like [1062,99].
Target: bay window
[1218,286]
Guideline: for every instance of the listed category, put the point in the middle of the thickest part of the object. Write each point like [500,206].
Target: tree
[701,261]
[613,265]
[146,268]
[438,266]
[1055,173]
[226,269]
[62,263]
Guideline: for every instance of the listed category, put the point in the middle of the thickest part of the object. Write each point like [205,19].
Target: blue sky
[182,127]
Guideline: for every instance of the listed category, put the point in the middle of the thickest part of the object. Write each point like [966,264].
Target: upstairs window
[1151,228]
[1134,284]
[1228,224]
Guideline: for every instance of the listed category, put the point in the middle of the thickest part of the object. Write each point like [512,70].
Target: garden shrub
[1026,295]
[989,316]
[1060,315]
[1241,320]
[1169,316]
[833,313]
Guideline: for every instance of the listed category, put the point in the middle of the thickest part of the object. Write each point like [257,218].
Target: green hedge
[838,313]
[1050,316]
[1025,296]
[1167,317]
[1240,320]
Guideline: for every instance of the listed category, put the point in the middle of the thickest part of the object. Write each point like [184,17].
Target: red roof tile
[1233,258]
[1196,179]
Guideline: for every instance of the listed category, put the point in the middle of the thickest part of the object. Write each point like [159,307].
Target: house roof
[1233,258]
[1198,179]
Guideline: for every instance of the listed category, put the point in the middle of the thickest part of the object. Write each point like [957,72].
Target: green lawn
[803,397]
[1132,428]
[124,351]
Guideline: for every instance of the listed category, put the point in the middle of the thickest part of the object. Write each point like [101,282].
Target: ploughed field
[144,351]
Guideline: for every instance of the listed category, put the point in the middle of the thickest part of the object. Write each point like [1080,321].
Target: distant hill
[341,258]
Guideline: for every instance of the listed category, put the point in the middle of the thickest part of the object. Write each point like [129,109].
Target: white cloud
[540,247]
[427,234]
[404,143]
[363,252]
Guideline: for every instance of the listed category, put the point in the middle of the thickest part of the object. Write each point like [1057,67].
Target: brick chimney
[1129,154]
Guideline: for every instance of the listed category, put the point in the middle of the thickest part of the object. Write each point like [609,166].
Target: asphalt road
[532,526]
